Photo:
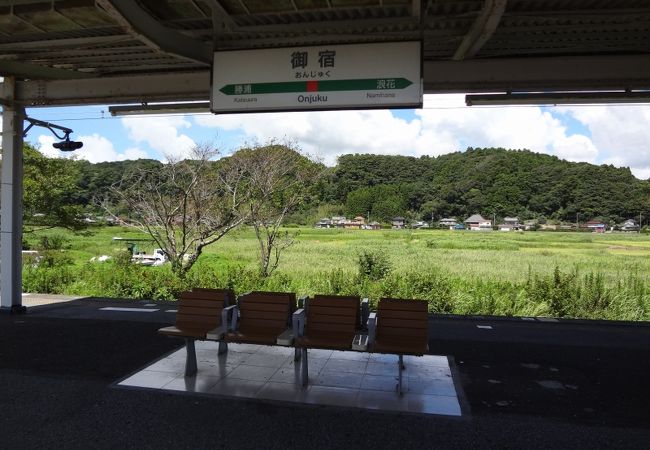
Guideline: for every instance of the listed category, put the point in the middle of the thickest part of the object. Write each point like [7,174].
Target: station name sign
[381,75]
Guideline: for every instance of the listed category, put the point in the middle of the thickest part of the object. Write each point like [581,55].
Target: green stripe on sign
[367,84]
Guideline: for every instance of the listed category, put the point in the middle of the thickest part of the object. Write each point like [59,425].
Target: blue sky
[613,134]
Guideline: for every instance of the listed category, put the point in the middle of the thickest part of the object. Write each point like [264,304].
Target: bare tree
[185,205]
[278,179]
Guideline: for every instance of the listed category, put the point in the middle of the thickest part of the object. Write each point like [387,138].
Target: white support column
[11,200]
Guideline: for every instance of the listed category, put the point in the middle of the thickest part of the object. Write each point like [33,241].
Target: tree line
[490,181]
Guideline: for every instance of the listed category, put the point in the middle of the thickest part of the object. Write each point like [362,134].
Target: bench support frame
[304,367]
[190,360]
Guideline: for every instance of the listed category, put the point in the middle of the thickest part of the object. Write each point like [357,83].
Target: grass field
[470,271]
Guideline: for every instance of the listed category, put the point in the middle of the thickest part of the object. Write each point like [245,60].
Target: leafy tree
[184,205]
[277,178]
[49,186]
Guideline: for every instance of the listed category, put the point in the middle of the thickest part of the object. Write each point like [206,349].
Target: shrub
[53,242]
[373,265]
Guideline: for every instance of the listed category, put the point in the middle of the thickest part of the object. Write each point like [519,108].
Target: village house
[373,226]
[510,224]
[629,226]
[419,224]
[448,223]
[596,226]
[324,223]
[476,222]
[338,221]
[357,223]
[398,222]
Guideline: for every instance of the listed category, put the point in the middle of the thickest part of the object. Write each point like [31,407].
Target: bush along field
[573,275]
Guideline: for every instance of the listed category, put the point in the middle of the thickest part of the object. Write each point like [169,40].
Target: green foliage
[373,265]
[53,242]
[490,181]
[49,191]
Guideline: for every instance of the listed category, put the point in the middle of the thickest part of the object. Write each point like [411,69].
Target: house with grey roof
[476,222]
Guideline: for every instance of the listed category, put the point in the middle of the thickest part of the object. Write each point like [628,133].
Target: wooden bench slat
[200,302]
[325,318]
[258,325]
[264,315]
[329,327]
[209,312]
[408,315]
[198,321]
[270,307]
[406,323]
[343,302]
[330,310]
[404,305]
[273,297]
[401,332]
[203,295]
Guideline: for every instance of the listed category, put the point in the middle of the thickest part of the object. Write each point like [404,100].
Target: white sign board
[383,75]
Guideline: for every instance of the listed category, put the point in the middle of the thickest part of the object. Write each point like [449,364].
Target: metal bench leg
[296,354]
[223,348]
[190,360]
[304,367]
[400,366]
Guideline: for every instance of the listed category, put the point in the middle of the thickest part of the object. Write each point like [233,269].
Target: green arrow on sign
[283,87]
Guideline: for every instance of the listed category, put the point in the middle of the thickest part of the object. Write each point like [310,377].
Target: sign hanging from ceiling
[382,75]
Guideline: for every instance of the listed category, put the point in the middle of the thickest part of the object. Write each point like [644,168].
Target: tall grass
[531,274]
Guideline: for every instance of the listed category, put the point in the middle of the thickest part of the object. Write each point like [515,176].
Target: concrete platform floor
[523,384]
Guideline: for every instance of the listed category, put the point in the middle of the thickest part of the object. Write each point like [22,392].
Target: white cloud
[132,153]
[161,134]
[620,132]
[96,149]
[444,125]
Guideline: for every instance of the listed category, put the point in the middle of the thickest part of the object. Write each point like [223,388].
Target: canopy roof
[162,49]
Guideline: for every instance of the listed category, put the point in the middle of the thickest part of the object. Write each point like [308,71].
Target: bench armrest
[298,323]
[372,327]
[365,313]
[225,323]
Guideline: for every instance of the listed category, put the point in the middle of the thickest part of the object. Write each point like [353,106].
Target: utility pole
[639,222]
[577,222]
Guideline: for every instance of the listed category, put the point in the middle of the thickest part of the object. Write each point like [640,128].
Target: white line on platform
[484,327]
[112,308]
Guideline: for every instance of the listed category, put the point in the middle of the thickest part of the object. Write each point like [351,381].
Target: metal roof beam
[221,20]
[36,72]
[482,29]
[485,75]
[342,26]
[580,73]
[65,43]
[114,90]
[140,24]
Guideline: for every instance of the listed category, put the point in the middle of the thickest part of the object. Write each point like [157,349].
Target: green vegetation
[527,274]
[534,273]
[488,181]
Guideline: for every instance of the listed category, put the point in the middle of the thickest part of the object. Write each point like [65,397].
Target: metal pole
[11,194]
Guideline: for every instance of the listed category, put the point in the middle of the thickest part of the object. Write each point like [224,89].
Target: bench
[199,316]
[399,327]
[326,322]
[262,318]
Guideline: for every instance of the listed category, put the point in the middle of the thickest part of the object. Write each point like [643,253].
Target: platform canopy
[67,52]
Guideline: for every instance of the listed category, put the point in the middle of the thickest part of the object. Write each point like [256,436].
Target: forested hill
[487,181]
